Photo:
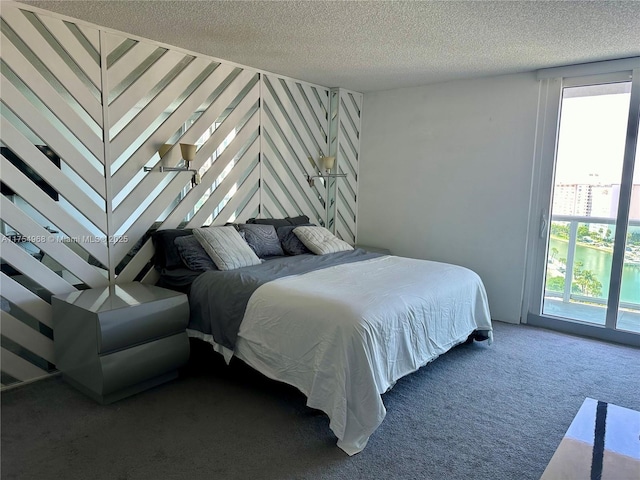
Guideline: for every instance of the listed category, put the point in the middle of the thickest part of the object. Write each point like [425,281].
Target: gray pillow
[226,247]
[299,220]
[193,255]
[281,222]
[262,239]
[276,222]
[320,240]
[291,244]
[166,253]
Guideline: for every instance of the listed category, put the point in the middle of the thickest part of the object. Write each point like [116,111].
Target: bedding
[291,244]
[320,240]
[179,279]
[218,299]
[341,327]
[166,254]
[193,255]
[226,247]
[262,239]
[281,222]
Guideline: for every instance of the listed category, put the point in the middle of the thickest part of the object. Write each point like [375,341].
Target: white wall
[445,175]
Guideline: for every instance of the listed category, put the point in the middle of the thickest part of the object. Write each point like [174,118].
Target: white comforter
[344,335]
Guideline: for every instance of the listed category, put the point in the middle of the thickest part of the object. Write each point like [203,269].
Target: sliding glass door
[588,242]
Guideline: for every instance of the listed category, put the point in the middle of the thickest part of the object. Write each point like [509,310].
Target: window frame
[552,83]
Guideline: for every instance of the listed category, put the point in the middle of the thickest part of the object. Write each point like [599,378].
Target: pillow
[320,240]
[290,243]
[299,220]
[262,239]
[226,247]
[193,255]
[276,222]
[280,222]
[166,253]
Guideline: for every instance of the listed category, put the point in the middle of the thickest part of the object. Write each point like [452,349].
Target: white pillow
[320,240]
[226,247]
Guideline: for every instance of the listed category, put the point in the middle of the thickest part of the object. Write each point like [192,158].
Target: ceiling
[378,45]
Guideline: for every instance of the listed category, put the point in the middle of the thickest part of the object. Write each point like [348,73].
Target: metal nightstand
[116,341]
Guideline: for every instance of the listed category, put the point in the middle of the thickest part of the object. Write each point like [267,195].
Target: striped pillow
[226,247]
[320,240]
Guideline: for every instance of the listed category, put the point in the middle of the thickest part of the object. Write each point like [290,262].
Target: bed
[341,326]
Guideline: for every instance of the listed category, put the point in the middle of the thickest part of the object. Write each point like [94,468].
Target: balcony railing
[632,257]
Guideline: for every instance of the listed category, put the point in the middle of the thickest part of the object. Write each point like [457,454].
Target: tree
[583,230]
[586,283]
[560,230]
[554,252]
[555,284]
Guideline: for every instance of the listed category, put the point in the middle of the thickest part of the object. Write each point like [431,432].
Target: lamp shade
[162,151]
[327,162]
[188,151]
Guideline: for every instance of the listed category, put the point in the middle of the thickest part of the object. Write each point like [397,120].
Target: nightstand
[116,341]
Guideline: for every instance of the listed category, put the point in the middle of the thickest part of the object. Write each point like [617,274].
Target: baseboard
[13,386]
[584,330]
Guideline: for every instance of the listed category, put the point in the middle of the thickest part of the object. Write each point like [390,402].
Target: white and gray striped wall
[103,102]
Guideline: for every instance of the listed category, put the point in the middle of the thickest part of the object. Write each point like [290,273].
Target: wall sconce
[188,152]
[164,149]
[327,163]
[323,164]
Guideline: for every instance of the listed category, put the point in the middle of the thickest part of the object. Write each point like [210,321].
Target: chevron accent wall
[157,96]
[346,115]
[84,110]
[51,131]
[295,120]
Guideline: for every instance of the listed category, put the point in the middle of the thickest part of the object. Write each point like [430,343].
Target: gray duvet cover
[218,299]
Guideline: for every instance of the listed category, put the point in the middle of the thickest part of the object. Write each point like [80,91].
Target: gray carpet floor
[478,412]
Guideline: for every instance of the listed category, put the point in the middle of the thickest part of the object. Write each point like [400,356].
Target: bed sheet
[345,334]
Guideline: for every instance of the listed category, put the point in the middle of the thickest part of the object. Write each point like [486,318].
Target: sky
[591,141]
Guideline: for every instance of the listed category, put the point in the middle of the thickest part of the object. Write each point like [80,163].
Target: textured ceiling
[378,45]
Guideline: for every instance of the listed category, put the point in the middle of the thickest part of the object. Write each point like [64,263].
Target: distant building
[585,200]
[634,210]
[604,202]
[572,199]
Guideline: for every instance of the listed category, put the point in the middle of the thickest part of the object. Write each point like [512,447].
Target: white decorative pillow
[320,240]
[226,247]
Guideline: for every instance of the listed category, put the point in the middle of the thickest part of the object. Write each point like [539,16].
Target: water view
[598,262]
[595,260]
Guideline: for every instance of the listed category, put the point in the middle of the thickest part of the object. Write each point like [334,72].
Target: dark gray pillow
[193,255]
[299,220]
[281,222]
[291,244]
[166,254]
[276,222]
[263,239]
